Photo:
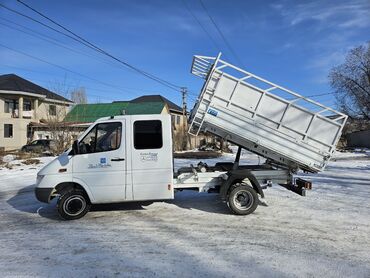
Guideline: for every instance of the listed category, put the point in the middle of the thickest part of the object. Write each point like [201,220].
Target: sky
[291,43]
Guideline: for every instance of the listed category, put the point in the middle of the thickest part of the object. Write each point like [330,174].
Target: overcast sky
[291,43]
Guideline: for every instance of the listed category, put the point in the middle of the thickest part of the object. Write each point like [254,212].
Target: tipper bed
[264,118]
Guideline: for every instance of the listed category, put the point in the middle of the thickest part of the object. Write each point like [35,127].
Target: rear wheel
[73,204]
[243,200]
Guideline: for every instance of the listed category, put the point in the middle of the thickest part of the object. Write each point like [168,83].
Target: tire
[243,200]
[73,204]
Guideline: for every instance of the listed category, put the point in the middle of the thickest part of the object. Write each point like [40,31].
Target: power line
[45,39]
[60,67]
[47,26]
[127,89]
[118,92]
[37,21]
[71,37]
[56,42]
[319,95]
[201,25]
[52,41]
[73,85]
[77,84]
[221,34]
[98,49]
[89,45]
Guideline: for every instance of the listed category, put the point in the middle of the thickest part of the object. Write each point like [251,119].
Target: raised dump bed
[263,117]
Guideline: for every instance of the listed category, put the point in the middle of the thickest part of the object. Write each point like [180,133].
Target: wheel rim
[74,205]
[243,200]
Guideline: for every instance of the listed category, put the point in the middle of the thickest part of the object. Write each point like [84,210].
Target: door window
[102,138]
[148,135]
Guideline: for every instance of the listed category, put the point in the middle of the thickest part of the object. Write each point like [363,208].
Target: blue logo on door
[103,160]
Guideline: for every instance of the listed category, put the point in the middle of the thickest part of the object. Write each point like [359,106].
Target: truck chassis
[226,177]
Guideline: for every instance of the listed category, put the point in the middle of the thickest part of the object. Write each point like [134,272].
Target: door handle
[117,159]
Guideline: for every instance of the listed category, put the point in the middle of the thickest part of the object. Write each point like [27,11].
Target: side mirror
[75,147]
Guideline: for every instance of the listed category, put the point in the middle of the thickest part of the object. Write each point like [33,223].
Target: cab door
[101,162]
[152,167]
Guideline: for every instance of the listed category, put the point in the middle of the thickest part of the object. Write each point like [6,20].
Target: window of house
[27,105]
[148,135]
[173,119]
[177,119]
[29,132]
[103,137]
[10,105]
[8,130]
[52,110]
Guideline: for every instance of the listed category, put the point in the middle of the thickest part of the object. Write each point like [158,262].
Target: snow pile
[8,158]
[16,175]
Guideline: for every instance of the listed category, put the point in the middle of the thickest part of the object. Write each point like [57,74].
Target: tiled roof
[12,82]
[157,98]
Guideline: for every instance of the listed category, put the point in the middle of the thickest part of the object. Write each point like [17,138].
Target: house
[358,139]
[178,120]
[23,104]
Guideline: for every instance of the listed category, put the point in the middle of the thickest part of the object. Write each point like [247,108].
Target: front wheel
[243,200]
[73,204]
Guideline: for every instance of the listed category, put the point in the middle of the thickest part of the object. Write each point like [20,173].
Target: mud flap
[300,186]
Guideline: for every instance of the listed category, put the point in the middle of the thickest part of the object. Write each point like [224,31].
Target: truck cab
[117,159]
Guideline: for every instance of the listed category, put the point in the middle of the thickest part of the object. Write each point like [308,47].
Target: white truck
[130,158]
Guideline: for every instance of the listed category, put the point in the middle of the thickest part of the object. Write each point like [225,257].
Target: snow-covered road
[326,234]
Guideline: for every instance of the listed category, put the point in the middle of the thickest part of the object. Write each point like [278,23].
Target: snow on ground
[20,175]
[325,234]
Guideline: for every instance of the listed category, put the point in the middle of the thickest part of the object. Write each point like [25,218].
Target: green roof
[87,113]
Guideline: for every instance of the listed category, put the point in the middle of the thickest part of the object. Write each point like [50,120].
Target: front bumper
[43,194]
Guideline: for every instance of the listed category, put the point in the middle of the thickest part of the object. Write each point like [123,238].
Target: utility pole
[184,92]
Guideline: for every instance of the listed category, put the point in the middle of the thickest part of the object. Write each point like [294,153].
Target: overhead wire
[319,95]
[102,51]
[126,89]
[54,41]
[47,26]
[46,39]
[215,44]
[91,46]
[59,66]
[81,40]
[221,34]
[76,85]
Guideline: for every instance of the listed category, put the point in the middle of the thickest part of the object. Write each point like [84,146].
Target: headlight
[39,178]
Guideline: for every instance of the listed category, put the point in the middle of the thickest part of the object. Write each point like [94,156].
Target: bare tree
[351,83]
[78,96]
[59,130]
